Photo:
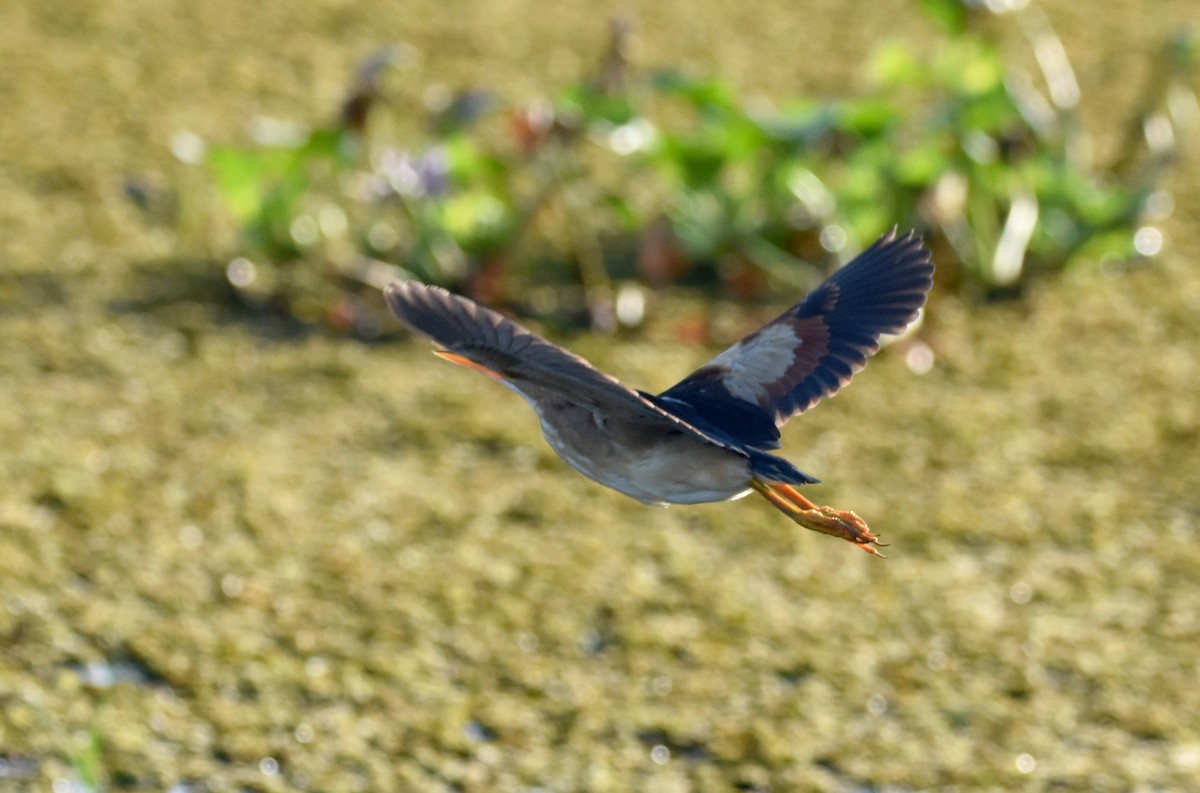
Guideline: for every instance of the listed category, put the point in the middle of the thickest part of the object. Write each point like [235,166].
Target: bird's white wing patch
[757,362]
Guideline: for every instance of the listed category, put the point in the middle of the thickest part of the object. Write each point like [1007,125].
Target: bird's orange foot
[844,524]
[826,520]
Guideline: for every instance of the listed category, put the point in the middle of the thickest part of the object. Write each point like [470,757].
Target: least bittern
[708,437]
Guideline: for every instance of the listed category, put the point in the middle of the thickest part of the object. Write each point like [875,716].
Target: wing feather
[528,362]
[813,349]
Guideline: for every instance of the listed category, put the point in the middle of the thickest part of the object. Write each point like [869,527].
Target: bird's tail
[770,468]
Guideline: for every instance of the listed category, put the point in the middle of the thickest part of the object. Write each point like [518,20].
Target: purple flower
[426,175]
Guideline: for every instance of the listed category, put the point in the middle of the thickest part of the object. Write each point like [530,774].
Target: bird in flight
[709,436]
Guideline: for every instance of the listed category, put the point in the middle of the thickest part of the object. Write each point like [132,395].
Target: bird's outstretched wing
[508,351]
[812,350]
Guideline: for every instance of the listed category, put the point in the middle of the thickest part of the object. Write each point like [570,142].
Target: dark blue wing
[813,349]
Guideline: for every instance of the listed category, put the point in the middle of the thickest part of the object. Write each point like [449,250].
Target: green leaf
[469,163]
[244,177]
[992,112]
[1117,243]
[949,15]
[740,138]
[922,165]
[705,95]
[867,116]
[624,211]
[590,106]
[475,219]
[893,64]
[695,162]
[971,66]
[326,143]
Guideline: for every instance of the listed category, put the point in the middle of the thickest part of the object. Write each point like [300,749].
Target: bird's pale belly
[678,469]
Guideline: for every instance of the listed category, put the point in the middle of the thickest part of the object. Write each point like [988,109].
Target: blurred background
[253,537]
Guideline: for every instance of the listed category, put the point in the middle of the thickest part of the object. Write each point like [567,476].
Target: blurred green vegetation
[668,176]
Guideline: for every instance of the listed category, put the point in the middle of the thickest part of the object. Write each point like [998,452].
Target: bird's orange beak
[462,360]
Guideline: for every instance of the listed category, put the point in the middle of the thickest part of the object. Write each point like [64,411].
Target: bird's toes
[854,529]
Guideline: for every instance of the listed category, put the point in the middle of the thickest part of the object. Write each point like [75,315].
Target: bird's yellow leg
[826,520]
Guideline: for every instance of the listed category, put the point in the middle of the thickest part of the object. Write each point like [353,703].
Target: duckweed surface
[237,557]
